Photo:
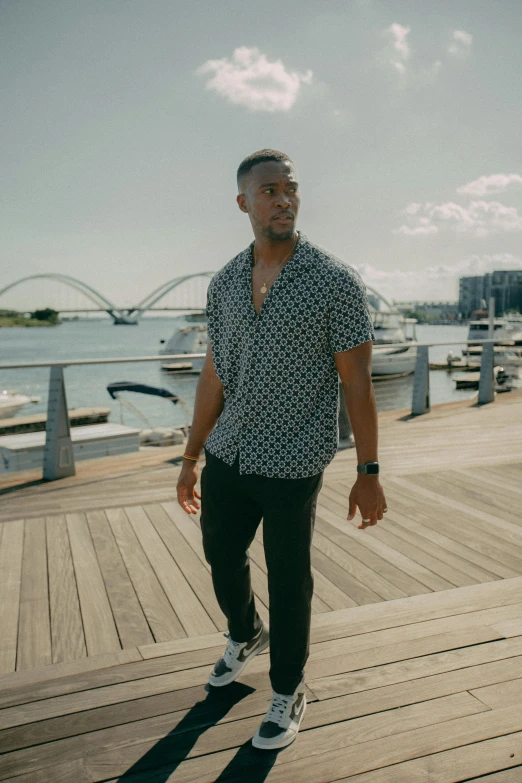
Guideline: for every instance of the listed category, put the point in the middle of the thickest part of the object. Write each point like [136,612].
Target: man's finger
[352,508]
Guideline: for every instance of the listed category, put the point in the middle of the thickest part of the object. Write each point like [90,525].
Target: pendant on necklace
[263,289]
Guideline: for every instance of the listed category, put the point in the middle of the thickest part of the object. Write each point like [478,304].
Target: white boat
[391,329]
[509,327]
[189,336]
[11,402]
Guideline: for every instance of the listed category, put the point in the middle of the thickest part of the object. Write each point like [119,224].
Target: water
[86,386]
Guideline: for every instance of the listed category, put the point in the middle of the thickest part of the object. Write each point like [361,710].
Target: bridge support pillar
[58,451]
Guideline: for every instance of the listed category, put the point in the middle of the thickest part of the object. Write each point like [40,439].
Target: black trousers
[232,506]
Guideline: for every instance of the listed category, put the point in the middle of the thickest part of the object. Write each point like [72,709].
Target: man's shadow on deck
[249,764]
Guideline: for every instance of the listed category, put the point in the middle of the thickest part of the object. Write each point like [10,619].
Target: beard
[282,234]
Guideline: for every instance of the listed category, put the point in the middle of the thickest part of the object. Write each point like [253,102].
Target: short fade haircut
[261,156]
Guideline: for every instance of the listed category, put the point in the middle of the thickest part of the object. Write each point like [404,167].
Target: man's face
[271,199]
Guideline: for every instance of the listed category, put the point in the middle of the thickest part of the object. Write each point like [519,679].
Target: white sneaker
[282,721]
[236,657]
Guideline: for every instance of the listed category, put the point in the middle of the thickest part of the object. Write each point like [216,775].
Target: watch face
[372,469]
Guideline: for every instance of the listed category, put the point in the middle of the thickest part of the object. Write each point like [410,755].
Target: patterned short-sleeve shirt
[280,381]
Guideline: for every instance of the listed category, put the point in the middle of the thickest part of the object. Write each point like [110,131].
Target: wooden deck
[109,622]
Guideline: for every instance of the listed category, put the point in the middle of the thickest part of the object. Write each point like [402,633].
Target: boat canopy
[142,388]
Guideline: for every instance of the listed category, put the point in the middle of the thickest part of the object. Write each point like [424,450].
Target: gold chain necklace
[263,288]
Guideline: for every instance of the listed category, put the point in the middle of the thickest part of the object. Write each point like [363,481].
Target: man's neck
[271,252]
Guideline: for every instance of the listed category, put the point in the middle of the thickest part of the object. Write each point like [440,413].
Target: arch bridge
[119,315]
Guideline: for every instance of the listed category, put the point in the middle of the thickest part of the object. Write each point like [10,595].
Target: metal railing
[58,450]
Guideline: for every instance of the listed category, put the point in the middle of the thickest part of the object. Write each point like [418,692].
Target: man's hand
[368,495]
[185,487]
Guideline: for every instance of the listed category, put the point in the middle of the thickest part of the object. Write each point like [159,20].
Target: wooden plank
[404,583]
[175,646]
[412,651]
[214,645]
[416,608]
[495,496]
[405,525]
[68,640]
[406,564]
[513,775]
[234,735]
[372,580]
[11,551]
[256,675]
[131,623]
[477,545]
[187,561]
[183,600]
[98,622]
[416,483]
[34,631]
[509,628]
[68,772]
[334,710]
[358,592]
[123,728]
[160,615]
[29,680]
[496,696]
[329,686]
[357,757]
[456,765]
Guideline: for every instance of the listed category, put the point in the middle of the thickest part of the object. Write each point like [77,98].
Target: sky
[123,123]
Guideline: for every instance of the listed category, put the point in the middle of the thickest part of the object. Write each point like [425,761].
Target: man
[285,320]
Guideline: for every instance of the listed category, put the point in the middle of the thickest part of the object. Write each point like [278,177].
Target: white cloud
[249,79]
[492,183]
[460,43]
[434,282]
[399,35]
[480,218]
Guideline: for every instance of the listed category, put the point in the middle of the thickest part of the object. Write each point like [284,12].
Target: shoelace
[232,649]
[278,708]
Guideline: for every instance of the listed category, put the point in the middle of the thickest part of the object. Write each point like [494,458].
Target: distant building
[505,285]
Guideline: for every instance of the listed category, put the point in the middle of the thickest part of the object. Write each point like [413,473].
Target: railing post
[58,451]
[487,376]
[421,382]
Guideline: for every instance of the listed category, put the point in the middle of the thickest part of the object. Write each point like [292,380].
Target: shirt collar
[300,258]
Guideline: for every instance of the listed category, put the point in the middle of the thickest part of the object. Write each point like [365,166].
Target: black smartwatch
[370,468]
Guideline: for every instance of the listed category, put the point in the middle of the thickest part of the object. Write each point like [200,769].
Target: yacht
[11,402]
[509,327]
[395,344]
[394,350]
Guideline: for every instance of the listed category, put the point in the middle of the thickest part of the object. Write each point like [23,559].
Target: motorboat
[11,402]
[189,336]
[394,349]
[395,345]
[507,328]
[152,436]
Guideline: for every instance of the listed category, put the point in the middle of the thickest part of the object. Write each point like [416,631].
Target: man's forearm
[207,408]
[362,412]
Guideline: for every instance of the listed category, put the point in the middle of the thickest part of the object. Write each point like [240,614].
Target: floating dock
[37,422]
